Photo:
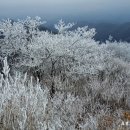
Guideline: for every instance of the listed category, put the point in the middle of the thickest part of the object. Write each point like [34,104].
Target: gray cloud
[59,8]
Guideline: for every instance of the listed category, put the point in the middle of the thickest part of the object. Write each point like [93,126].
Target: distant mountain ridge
[119,32]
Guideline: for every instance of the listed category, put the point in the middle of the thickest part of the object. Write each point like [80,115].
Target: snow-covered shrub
[24,105]
[69,61]
[21,105]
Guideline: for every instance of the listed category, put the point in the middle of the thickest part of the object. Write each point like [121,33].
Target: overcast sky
[95,10]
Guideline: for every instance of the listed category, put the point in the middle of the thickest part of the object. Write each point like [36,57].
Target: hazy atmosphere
[90,10]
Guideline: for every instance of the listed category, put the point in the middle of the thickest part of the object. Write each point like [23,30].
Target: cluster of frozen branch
[69,64]
[28,106]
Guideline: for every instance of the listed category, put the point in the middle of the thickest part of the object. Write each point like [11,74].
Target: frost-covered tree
[62,27]
[68,58]
[63,53]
